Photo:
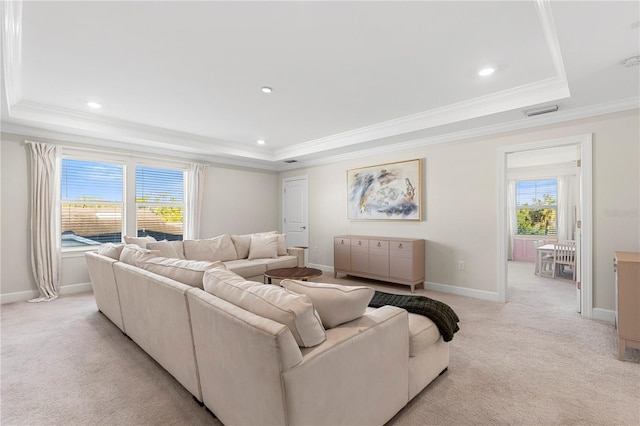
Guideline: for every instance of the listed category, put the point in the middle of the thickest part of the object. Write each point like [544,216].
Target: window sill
[70,252]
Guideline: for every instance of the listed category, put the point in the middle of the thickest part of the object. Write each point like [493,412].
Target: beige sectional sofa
[253,353]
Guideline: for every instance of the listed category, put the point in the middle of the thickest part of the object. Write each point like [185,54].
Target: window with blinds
[91,200]
[536,207]
[159,203]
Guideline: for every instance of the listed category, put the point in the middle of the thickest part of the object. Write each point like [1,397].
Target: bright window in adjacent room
[536,207]
[159,203]
[92,202]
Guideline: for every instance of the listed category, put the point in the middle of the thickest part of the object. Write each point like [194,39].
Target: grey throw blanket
[440,313]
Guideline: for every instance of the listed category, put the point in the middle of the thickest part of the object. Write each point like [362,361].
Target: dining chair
[564,255]
[546,259]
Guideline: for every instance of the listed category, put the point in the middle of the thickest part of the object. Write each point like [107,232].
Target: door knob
[303,227]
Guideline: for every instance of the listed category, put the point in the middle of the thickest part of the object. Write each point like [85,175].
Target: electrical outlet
[460,264]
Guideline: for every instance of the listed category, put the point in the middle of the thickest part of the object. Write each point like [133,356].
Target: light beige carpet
[519,363]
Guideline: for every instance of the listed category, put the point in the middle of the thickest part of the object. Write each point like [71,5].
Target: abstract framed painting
[390,191]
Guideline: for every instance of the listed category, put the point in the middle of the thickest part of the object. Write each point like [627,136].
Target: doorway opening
[545,199]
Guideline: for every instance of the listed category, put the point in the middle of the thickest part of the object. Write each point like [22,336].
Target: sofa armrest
[364,362]
[299,253]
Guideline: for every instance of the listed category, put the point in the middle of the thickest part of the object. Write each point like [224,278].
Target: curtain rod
[125,152]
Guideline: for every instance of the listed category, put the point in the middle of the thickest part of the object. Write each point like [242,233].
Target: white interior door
[295,217]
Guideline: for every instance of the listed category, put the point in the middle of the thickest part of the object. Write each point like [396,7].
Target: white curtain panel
[566,203]
[193,201]
[513,214]
[45,219]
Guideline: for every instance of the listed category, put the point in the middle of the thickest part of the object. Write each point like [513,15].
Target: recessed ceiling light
[261,141]
[94,105]
[486,71]
[266,89]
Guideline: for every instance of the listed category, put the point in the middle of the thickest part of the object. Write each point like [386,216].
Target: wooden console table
[627,269]
[396,260]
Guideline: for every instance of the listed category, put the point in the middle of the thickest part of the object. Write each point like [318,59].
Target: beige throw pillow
[139,241]
[274,302]
[282,242]
[133,254]
[111,250]
[168,248]
[263,247]
[335,303]
[242,244]
[219,248]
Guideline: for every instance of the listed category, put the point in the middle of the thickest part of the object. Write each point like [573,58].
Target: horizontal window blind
[91,202]
[159,202]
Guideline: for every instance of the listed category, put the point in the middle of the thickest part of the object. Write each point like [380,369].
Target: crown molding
[79,141]
[524,123]
[551,89]
[68,121]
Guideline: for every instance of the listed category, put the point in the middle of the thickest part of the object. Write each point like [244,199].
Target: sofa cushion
[133,254]
[246,268]
[335,303]
[111,250]
[276,303]
[422,333]
[172,249]
[139,241]
[263,247]
[212,249]
[242,244]
[280,262]
[188,272]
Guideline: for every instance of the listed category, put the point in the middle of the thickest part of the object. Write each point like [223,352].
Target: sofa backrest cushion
[274,302]
[335,303]
[133,254]
[219,248]
[139,241]
[111,250]
[172,249]
[263,246]
[188,272]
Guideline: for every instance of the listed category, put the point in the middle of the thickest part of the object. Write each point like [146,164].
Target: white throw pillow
[335,303]
[111,250]
[219,248]
[263,247]
[270,301]
[139,241]
[133,254]
[189,272]
[242,244]
[168,248]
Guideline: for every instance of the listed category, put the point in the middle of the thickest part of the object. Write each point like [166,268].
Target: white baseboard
[443,288]
[463,291]
[605,315]
[75,288]
[22,296]
[323,268]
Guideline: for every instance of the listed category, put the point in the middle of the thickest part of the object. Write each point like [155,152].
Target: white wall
[235,201]
[238,201]
[459,195]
